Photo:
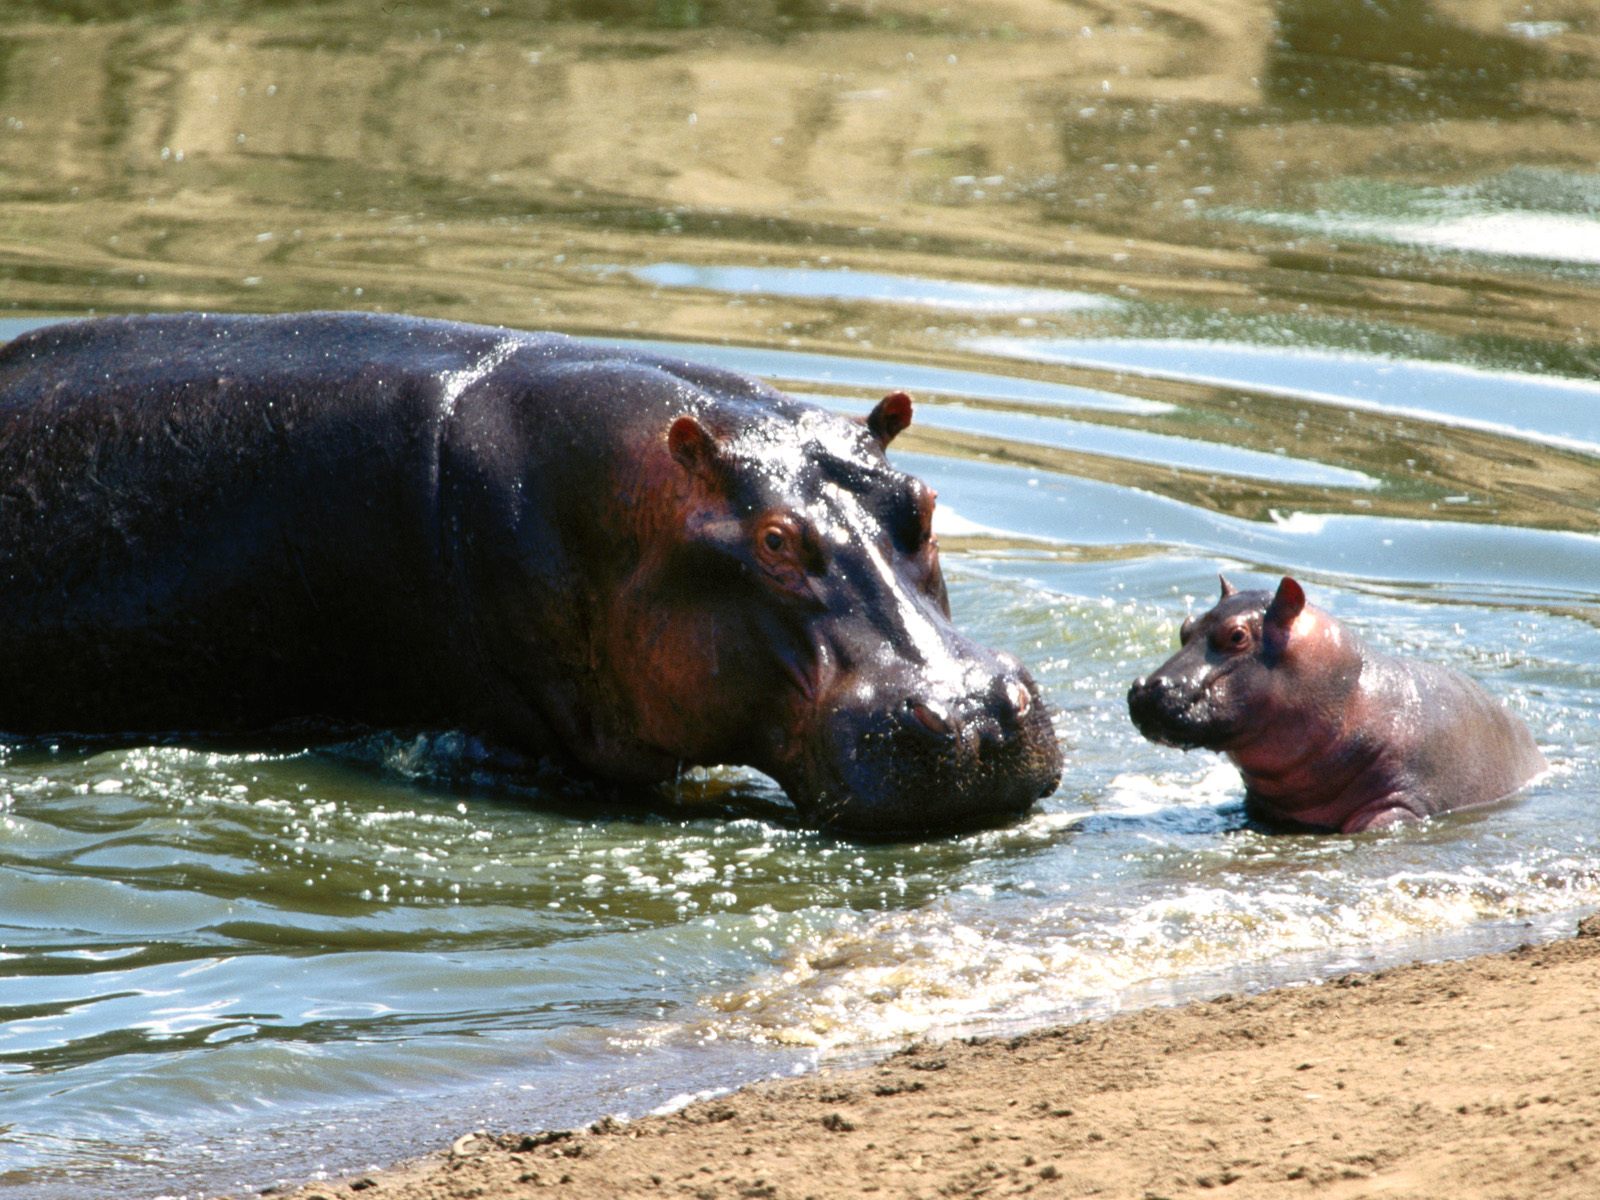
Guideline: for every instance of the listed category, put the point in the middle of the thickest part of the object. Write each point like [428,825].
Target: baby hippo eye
[773,539]
[1231,637]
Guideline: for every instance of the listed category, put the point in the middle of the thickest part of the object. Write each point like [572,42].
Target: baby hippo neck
[1335,764]
[1324,786]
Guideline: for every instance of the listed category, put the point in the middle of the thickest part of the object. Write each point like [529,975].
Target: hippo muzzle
[891,762]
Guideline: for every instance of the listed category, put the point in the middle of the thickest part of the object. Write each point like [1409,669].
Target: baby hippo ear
[889,417]
[1227,588]
[1286,605]
[1288,602]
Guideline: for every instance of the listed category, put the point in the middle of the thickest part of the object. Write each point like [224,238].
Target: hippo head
[1238,678]
[825,655]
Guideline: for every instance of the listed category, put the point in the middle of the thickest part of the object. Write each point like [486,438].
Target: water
[1251,289]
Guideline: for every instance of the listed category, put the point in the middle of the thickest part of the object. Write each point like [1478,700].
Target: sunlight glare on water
[1540,215]
[869,286]
[1562,411]
[1232,290]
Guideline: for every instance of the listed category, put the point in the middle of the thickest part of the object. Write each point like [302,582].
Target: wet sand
[1474,1079]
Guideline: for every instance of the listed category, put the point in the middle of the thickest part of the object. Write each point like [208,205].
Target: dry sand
[1462,1080]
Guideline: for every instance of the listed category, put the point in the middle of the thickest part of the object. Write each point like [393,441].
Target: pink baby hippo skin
[1328,733]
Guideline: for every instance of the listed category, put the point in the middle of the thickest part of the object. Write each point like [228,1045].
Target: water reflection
[1543,216]
[1544,408]
[1414,58]
[874,377]
[1261,287]
[870,287]
[260,164]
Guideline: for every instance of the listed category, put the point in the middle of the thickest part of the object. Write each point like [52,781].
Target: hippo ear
[889,417]
[1287,603]
[1279,618]
[1227,588]
[695,447]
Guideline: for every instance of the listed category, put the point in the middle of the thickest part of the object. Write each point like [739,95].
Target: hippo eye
[1231,637]
[776,540]
[788,551]
[910,519]
[926,498]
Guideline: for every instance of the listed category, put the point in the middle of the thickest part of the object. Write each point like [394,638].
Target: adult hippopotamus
[247,526]
[1328,733]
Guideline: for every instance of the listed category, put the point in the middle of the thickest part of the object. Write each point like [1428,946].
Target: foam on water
[957,968]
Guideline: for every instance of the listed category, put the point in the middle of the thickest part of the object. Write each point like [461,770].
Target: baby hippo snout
[1145,700]
[1165,710]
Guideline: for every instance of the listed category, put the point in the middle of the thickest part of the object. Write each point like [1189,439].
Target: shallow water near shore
[1266,300]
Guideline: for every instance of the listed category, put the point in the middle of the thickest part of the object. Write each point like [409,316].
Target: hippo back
[221,522]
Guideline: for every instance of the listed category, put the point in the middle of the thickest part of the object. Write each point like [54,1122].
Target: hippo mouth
[1170,716]
[917,769]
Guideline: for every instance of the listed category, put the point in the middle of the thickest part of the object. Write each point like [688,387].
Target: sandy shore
[1467,1080]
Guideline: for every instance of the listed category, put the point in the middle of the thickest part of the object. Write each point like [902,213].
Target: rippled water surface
[1259,288]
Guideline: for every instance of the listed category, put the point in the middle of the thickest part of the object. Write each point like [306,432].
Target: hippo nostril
[1021,699]
[1147,690]
[932,717]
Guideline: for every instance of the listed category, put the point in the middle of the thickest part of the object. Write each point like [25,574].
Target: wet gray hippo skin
[1328,733]
[237,526]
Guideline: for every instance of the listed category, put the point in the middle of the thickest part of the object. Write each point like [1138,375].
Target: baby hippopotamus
[1328,733]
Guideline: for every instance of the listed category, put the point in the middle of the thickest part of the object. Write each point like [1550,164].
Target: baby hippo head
[1252,664]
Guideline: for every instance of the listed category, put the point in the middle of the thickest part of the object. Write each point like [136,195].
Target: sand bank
[1471,1080]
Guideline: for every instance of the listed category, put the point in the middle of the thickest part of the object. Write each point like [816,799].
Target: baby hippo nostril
[1144,692]
[932,717]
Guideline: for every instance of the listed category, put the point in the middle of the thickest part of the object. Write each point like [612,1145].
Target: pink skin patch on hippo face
[1314,627]
[1311,622]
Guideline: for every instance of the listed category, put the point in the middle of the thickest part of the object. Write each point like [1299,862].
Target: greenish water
[1250,288]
